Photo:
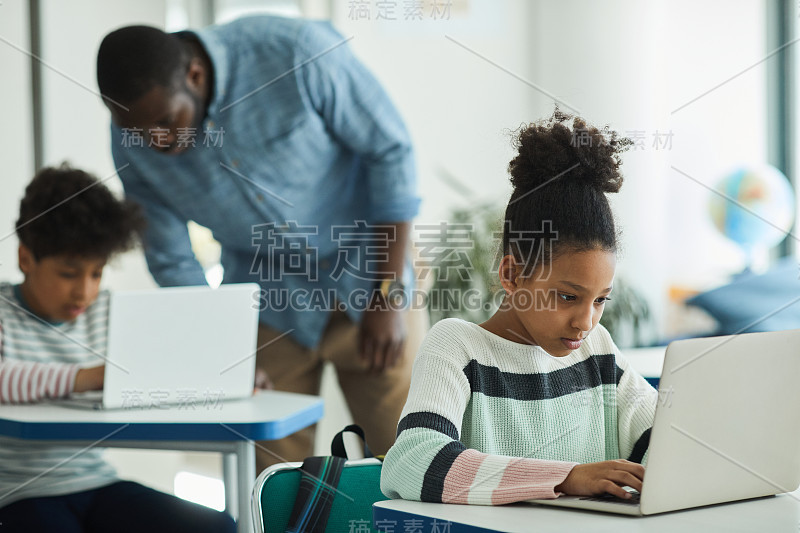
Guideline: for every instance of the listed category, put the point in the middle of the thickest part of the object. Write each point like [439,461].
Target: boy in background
[53,333]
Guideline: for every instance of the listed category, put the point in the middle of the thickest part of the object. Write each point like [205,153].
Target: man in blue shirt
[269,132]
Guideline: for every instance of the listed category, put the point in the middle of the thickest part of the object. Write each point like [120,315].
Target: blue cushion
[765,302]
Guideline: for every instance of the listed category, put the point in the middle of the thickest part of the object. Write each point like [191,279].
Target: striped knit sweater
[39,360]
[489,421]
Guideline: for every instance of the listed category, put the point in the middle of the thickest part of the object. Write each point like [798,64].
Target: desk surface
[774,514]
[267,415]
[228,427]
[646,361]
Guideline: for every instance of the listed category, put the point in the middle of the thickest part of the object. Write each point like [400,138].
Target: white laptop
[727,426]
[184,346]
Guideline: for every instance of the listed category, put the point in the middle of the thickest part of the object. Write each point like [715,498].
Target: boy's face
[59,288]
[565,299]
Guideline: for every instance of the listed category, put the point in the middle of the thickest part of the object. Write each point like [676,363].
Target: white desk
[647,361]
[228,427]
[774,515]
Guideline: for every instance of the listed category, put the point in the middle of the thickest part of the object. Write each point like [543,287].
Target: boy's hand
[89,378]
[594,479]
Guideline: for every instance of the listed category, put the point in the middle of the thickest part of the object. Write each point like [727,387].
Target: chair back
[359,487]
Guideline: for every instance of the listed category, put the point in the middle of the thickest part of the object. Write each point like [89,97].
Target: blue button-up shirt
[300,155]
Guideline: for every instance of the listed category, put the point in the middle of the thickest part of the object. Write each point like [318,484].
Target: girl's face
[560,303]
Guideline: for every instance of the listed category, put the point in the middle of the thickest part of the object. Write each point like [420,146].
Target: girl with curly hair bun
[537,401]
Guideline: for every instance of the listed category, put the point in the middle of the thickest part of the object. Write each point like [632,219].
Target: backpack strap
[319,480]
[315,495]
[337,444]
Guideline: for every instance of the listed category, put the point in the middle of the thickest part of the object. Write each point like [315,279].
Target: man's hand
[262,381]
[381,338]
[89,378]
[594,479]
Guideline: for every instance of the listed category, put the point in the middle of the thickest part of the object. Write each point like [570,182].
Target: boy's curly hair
[66,211]
[560,176]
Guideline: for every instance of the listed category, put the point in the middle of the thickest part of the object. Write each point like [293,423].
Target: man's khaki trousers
[375,401]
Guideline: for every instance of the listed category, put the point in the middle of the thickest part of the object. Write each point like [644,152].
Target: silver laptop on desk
[726,428]
[178,346]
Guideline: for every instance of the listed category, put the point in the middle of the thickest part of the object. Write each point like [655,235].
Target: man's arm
[359,113]
[383,331]
[167,247]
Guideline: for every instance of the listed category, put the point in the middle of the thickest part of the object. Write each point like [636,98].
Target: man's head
[153,81]
[69,226]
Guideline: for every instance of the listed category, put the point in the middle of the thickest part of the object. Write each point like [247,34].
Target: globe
[754,207]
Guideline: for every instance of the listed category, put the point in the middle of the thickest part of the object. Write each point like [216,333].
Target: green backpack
[322,494]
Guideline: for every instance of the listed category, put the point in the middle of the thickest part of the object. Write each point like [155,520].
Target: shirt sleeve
[429,463]
[360,114]
[167,247]
[636,407]
[28,382]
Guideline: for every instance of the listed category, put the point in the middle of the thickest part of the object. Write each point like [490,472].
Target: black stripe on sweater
[428,420]
[433,482]
[640,448]
[592,372]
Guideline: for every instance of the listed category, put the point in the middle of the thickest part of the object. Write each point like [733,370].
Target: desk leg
[245,478]
[230,480]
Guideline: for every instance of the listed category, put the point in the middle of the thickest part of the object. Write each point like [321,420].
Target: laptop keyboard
[610,498]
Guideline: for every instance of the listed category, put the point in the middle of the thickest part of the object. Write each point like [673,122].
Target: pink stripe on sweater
[50,380]
[15,384]
[526,479]
[32,382]
[461,476]
[61,386]
[71,372]
[5,372]
[25,382]
[39,383]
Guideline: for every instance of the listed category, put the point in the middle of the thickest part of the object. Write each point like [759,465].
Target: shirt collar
[24,304]
[218,56]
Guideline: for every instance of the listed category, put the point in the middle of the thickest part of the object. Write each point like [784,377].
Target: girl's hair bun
[549,151]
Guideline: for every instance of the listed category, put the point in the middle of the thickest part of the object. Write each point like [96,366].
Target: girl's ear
[509,273]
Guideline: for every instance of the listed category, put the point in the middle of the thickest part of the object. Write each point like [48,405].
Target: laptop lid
[185,346]
[726,426]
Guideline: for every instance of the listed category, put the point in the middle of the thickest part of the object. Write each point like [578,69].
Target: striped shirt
[490,421]
[39,360]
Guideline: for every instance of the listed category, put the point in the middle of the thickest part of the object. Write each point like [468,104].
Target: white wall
[458,106]
[76,125]
[625,63]
[722,130]
[16,143]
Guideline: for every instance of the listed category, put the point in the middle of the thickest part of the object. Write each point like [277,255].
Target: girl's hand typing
[594,479]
